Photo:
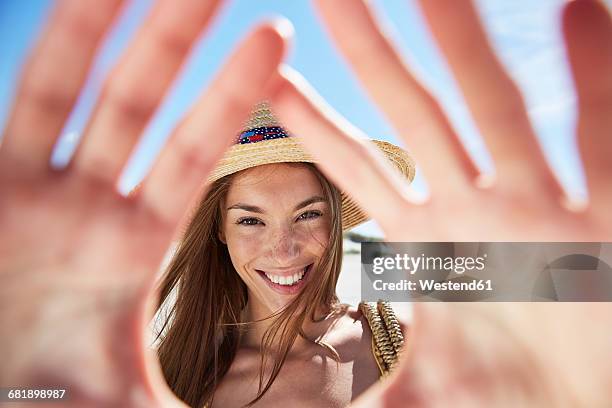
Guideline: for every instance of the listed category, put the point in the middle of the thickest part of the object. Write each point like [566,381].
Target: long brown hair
[200,334]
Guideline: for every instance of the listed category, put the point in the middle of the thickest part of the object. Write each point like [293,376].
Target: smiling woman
[256,274]
[279,241]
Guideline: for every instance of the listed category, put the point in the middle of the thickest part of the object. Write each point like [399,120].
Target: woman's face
[276,227]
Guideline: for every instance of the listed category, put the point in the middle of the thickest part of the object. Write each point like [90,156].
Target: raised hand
[476,353]
[77,259]
[524,201]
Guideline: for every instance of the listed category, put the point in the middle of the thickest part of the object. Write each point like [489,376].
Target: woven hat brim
[288,150]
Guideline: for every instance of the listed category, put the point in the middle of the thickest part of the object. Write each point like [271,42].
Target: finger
[52,79]
[413,112]
[494,100]
[206,132]
[588,33]
[354,166]
[135,89]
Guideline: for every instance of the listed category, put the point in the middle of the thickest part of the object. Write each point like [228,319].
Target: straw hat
[264,141]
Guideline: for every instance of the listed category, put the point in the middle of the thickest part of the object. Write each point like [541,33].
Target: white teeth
[286,280]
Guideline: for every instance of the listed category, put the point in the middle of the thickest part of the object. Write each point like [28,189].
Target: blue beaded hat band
[264,141]
[262,125]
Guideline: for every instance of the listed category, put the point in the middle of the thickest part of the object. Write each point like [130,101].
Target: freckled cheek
[244,247]
[318,238]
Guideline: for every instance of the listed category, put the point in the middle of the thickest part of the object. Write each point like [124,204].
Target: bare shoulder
[356,317]
[350,332]
[351,325]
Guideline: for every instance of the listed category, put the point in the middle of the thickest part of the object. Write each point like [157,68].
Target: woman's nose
[286,246]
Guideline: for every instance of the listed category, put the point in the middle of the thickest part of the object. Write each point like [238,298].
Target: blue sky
[525,33]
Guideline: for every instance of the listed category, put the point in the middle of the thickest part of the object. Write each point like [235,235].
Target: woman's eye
[310,214]
[248,221]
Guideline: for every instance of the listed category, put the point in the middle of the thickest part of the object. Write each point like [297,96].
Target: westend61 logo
[486,271]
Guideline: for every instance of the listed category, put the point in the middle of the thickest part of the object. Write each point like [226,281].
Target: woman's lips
[286,289]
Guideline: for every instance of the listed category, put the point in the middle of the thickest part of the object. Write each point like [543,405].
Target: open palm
[478,354]
[523,201]
[78,259]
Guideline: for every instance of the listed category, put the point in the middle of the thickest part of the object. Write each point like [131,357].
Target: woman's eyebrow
[311,200]
[255,209]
